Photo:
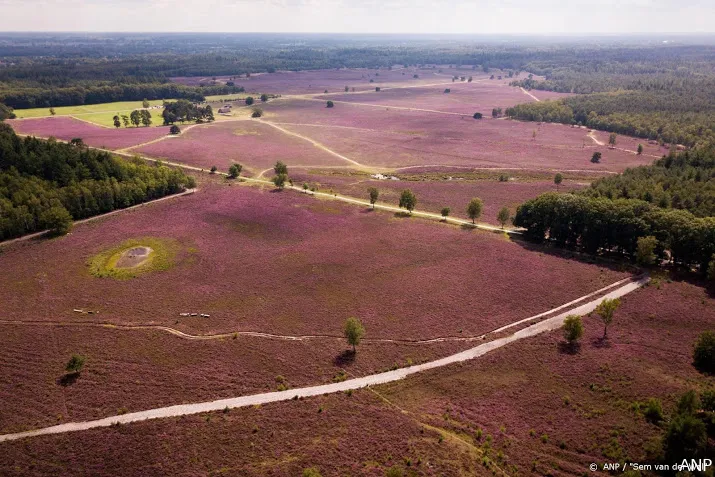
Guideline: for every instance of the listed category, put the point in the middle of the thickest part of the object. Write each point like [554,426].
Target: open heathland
[252,144]
[525,408]
[134,370]
[481,95]
[288,263]
[66,128]
[384,137]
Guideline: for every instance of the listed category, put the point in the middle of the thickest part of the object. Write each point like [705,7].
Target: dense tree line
[679,181]
[20,96]
[46,184]
[183,110]
[679,118]
[601,220]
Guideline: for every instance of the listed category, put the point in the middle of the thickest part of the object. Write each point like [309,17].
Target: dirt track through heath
[548,324]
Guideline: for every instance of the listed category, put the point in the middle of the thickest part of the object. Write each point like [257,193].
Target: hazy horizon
[486,17]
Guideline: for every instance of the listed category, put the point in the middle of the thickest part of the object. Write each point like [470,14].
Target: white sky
[358,16]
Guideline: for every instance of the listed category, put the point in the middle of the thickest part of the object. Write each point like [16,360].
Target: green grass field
[97,113]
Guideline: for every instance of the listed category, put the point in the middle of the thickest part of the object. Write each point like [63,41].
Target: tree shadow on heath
[569,348]
[403,215]
[67,379]
[601,342]
[345,358]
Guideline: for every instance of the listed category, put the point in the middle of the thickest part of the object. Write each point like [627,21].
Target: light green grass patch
[162,257]
[110,108]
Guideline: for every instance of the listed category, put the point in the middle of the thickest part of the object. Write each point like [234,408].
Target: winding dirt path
[357,383]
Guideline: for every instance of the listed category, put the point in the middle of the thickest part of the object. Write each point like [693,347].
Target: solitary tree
[280,168]
[533,135]
[249,100]
[117,122]
[640,149]
[474,208]
[347,89]
[503,216]
[447,90]
[214,169]
[75,364]
[377,88]
[477,116]
[264,98]
[374,194]
[145,103]
[174,129]
[234,171]
[605,310]
[57,220]
[52,111]
[354,331]
[645,250]
[445,212]
[558,179]
[408,200]
[573,329]
[329,104]
[256,113]
[612,140]
[596,158]
[279,180]
[125,120]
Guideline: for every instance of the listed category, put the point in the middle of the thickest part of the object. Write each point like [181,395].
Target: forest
[617,213]
[44,185]
[183,110]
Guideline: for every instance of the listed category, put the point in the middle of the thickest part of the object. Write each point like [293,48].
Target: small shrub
[329,104]
[544,438]
[394,471]
[653,411]
[75,364]
[214,169]
[311,472]
[704,352]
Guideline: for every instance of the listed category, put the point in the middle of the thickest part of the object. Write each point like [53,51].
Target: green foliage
[686,438]
[185,111]
[653,411]
[573,328]
[161,257]
[174,129]
[645,250]
[503,216]
[558,179]
[408,200]
[213,169]
[311,472]
[679,181]
[56,220]
[264,98]
[354,331]
[256,113]
[445,212]
[594,225]
[116,121]
[394,471]
[477,116]
[612,139]
[711,269]
[249,100]
[6,112]
[39,179]
[279,180]
[374,194]
[329,104]
[496,112]
[280,168]
[596,157]
[605,310]
[145,103]
[639,151]
[704,352]
[75,364]
[474,209]
[234,171]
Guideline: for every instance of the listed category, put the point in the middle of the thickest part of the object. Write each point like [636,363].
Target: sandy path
[357,383]
[529,94]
